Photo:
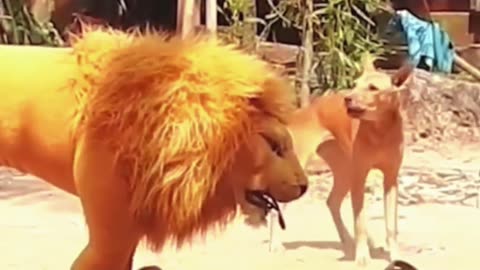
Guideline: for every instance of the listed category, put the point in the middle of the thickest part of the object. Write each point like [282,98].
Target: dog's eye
[372,87]
[274,145]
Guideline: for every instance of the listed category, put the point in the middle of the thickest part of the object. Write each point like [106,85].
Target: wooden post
[186,17]
[306,55]
[249,33]
[180,11]
[475,5]
[196,10]
[211,16]
[463,64]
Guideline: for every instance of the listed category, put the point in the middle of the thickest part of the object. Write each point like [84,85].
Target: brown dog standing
[366,126]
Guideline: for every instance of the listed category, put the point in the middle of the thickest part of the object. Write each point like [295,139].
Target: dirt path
[42,228]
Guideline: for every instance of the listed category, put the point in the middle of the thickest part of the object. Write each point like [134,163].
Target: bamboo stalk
[470,69]
[211,16]
[13,23]
[249,31]
[185,16]
[306,52]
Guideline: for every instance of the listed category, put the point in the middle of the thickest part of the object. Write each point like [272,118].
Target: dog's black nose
[303,189]
[348,100]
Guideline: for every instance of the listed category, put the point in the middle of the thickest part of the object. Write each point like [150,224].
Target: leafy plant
[344,31]
[18,26]
[242,20]
[241,17]
[337,32]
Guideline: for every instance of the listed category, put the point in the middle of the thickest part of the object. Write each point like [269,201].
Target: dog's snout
[348,100]
[303,189]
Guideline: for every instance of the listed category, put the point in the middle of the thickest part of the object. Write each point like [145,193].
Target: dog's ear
[367,62]
[403,75]
[401,82]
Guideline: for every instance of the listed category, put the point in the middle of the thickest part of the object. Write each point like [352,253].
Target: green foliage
[344,32]
[242,20]
[18,26]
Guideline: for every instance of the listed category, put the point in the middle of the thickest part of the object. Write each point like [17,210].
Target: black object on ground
[400,265]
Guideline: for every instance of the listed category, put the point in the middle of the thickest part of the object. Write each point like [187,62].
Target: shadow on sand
[26,190]
[12,186]
[378,253]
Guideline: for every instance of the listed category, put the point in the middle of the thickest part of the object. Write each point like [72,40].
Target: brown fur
[160,137]
[367,131]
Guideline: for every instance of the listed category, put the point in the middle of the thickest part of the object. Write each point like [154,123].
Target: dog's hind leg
[113,234]
[358,177]
[339,165]
[334,203]
[390,190]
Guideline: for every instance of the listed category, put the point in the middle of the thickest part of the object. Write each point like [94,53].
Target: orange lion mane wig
[174,164]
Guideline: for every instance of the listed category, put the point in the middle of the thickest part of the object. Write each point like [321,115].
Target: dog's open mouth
[266,202]
[355,111]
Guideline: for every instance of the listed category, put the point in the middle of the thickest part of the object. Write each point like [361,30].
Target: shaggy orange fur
[187,155]
[157,132]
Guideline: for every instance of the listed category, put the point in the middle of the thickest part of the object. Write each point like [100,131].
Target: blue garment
[427,40]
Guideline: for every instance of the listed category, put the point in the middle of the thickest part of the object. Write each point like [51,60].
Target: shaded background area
[158,14]
[163,14]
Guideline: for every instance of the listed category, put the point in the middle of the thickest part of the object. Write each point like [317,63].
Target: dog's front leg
[113,233]
[358,177]
[390,191]
[275,237]
[340,188]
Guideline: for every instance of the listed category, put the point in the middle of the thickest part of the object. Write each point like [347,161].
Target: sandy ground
[42,228]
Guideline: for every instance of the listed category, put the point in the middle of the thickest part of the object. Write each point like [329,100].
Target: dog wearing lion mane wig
[161,138]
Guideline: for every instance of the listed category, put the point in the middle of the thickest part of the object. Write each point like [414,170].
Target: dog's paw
[392,249]
[362,255]
[393,253]
[276,247]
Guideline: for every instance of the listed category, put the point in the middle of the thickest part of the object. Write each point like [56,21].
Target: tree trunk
[304,65]
[248,40]
[211,16]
